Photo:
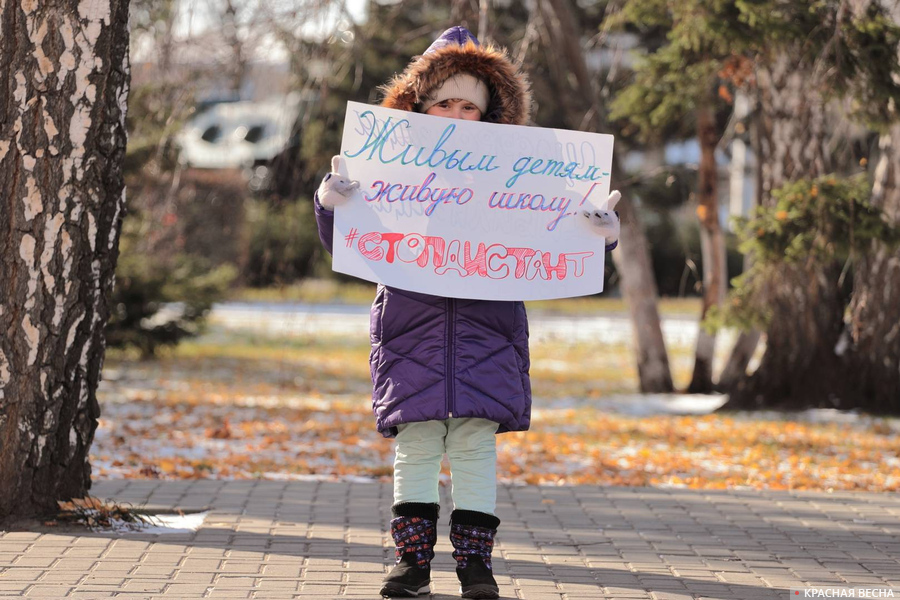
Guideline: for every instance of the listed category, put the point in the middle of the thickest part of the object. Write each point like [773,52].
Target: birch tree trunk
[875,309]
[735,368]
[633,257]
[712,244]
[65,76]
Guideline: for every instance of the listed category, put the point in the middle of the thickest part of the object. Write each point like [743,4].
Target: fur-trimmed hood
[457,51]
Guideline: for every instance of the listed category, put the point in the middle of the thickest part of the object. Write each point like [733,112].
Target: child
[448,373]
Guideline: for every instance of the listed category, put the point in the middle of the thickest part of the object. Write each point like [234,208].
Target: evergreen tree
[820,57]
[803,62]
[807,58]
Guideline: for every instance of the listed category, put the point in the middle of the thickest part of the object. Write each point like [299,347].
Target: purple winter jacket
[436,358]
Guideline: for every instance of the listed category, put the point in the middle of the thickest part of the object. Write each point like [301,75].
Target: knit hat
[455,36]
[457,52]
[463,86]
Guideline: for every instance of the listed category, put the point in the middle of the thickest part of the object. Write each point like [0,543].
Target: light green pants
[470,445]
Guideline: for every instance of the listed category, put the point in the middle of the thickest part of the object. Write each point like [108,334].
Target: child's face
[455,108]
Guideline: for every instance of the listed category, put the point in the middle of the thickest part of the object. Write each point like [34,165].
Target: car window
[255,134]
[212,134]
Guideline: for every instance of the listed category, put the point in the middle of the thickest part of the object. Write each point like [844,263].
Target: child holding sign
[448,373]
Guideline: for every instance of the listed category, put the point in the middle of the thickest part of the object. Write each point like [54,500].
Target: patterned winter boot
[414,529]
[472,535]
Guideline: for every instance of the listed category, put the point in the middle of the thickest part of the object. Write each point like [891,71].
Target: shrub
[818,221]
[160,298]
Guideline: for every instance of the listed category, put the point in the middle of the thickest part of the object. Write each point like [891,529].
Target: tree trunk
[875,309]
[712,243]
[483,21]
[62,141]
[794,129]
[639,286]
[237,66]
[735,368]
[800,367]
[633,256]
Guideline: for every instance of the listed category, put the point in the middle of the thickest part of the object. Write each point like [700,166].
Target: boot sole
[395,590]
[480,592]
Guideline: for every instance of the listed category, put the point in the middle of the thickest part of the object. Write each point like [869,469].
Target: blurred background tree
[684,89]
[827,78]
[824,76]
[176,253]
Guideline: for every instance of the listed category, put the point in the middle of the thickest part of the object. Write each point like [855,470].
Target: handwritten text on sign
[468,209]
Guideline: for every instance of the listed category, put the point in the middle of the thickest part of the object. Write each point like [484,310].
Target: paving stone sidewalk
[269,539]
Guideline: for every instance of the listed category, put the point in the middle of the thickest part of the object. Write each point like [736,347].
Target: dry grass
[249,406]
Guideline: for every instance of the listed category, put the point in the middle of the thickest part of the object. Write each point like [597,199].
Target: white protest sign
[467,209]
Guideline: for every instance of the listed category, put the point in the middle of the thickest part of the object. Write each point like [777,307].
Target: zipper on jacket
[449,366]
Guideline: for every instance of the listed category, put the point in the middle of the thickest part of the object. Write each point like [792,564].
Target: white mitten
[606,222]
[336,189]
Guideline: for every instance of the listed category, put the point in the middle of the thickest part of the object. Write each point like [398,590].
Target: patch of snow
[353,320]
[165,524]
[170,312]
[159,524]
[552,364]
[824,415]
[642,405]
[829,415]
